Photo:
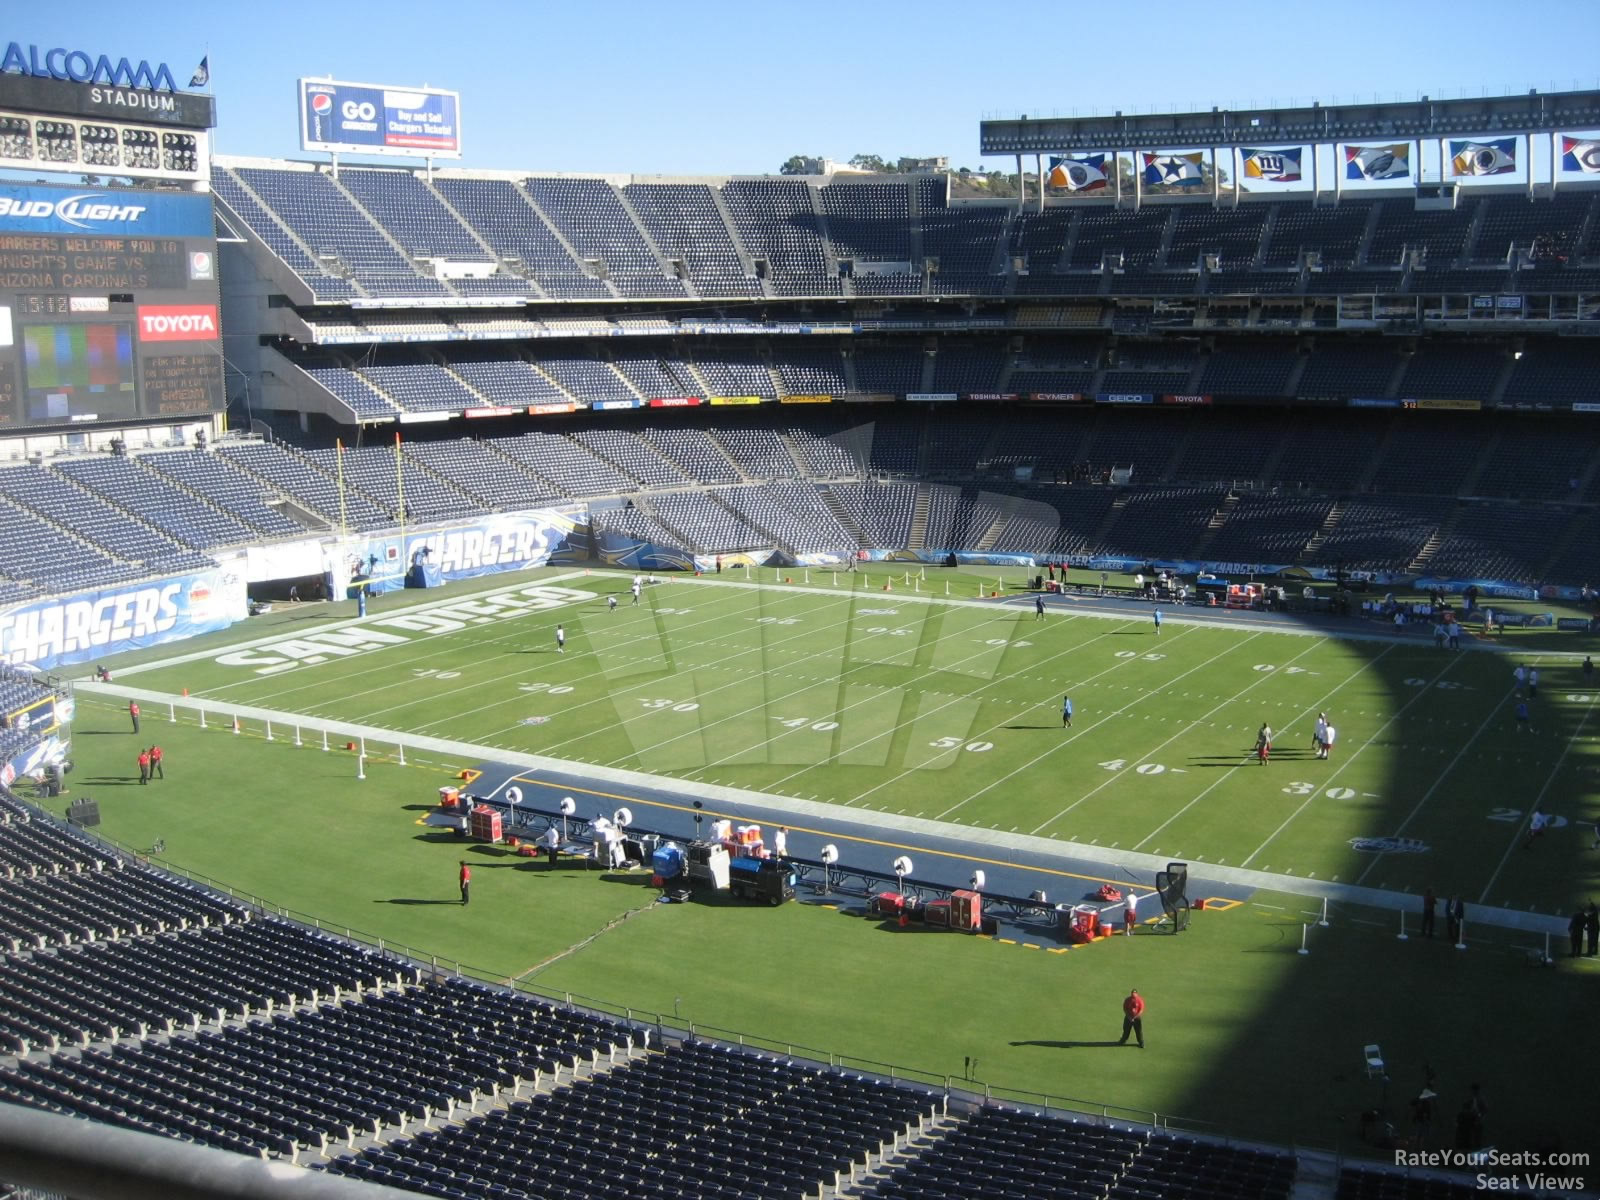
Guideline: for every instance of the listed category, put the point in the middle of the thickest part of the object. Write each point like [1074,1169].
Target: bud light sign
[364,118]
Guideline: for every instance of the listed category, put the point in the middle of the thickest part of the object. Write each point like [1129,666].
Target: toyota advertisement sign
[374,118]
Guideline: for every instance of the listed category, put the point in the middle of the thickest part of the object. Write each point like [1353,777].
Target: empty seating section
[1268,529]
[596,225]
[735,373]
[1334,234]
[1368,1183]
[775,220]
[570,467]
[212,476]
[364,400]
[1552,372]
[968,245]
[632,523]
[1328,450]
[1161,521]
[883,511]
[475,469]
[1246,369]
[959,517]
[1233,235]
[1379,534]
[825,453]
[311,204]
[1122,439]
[1225,446]
[421,387]
[635,456]
[277,238]
[964,369]
[57,502]
[697,1120]
[1499,541]
[694,451]
[1548,230]
[684,222]
[508,383]
[1430,454]
[413,215]
[1109,235]
[1040,240]
[311,488]
[1049,448]
[1348,370]
[657,378]
[180,516]
[806,372]
[587,380]
[758,452]
[793,513]
[955,445]
[500,213]
[398,486]
[894,371]
[1538,464]
[1438,237]
[705,525]
[1453,370]
[871,223]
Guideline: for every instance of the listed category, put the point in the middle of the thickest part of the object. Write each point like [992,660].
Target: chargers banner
[1274,166]
[502,542]
[1178,170]
[371,118]
[1484,158]
[60,632]
[1378,162]
[1086,174]
[1580,154]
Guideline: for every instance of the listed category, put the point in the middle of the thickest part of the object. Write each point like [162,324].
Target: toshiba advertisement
[108,306]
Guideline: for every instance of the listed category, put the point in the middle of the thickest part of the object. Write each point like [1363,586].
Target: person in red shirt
[144,766]
[1133,1017]
[466,882]
[133,712]
[156,770]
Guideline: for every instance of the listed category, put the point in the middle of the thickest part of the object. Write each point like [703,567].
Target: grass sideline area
[1244,1033]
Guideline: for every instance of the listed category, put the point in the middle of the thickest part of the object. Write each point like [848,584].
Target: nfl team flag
[1578,154]
[1484,158]
[1181,170]
[1275,166]
[202,73]
[1377,162]
[1078,174]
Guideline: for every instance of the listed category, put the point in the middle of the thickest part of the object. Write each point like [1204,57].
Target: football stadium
[527,683]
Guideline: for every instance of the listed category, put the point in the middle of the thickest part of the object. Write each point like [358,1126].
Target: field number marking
[1129,654]
[803,722]
[560,689]
[776,620]
[674,705]
[952,743]
[1300,787]
[1265,667]
[1116,764]
[1512,815]
[435,673]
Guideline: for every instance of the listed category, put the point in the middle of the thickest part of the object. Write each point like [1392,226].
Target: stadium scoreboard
[109,308]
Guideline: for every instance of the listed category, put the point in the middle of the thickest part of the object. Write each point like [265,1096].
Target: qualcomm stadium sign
[79,66]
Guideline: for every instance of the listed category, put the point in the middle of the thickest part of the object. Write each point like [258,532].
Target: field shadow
[110,781]
[101,733]
[413,900]
[1033,727]
[1068,1045]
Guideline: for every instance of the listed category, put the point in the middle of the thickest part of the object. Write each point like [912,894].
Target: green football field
[898,702]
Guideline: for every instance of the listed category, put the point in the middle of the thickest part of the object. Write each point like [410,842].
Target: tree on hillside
[796,164]
[869,162]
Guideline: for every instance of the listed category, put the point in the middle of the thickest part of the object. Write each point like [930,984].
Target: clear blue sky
[715,87]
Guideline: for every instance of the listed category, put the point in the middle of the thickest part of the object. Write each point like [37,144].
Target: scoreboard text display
[108,305]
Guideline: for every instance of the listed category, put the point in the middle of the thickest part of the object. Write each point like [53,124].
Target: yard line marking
[1422,694]
[841,680]
[1143,758]
[890,732]
[1588,710]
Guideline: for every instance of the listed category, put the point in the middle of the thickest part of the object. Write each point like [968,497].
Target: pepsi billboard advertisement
[109,309]
[370,118]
